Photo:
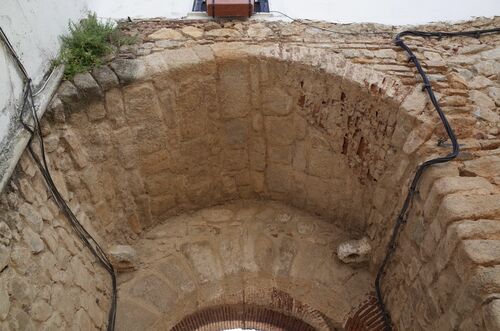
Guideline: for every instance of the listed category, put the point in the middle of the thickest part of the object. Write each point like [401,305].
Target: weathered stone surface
[259,31]
[354,251]
[484,252]
[87,85]
[487,166]
[220,33]
[491,313]
[276,102]
[32,217]
[165,33]
[4,302]
[416,101]
[124,257]
[41,311]
[4,256]
[494,93]
[493,54]
[132,316]
[192,32]
[488,68]
[96,111]
[5,234]
[33,241]
[220,117]
[155,291]
[105,77]
[67,92]
[128,70]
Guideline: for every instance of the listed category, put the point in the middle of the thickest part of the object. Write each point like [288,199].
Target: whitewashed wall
[34,28]
[399,12]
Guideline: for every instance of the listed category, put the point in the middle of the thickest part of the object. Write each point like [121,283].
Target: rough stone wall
[247,253]
[202,113]
[230,127]
[48,279]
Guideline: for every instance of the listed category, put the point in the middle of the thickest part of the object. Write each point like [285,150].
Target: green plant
[87,43]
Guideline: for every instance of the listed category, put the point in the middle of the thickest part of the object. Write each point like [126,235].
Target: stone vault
[235,169]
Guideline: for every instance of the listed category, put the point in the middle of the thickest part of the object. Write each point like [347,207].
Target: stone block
[192,32]
[236,133]
[321,163]
[285,254]
[96,111]
[67,92]
[491,314]
[132,316]
[276,102]
[280,154]
[236,159]
[154,291]
[105,77]
[278,178]
[485,252]
[166,33]
[128,70]
[77,151]
[460,206]
[33,240]
[32,217]
[354,251]
[123,257]
[485,166]
[279,130]
[115,108]
[233,89]
[416,101]
[448,185]
[41,310]
[87,86]
[206,264]
[177,273]
[192,124]
[141,104]
[4,302]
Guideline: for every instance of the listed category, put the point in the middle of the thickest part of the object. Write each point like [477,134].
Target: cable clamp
[412,58]
[425,87]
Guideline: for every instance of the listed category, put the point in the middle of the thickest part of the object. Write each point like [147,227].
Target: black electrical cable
[35,131]
[403,215]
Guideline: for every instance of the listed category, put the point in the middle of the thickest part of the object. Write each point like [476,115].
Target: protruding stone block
[354,251]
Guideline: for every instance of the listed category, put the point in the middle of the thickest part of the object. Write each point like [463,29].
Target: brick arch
[241,317]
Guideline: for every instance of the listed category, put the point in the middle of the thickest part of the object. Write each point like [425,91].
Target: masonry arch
[319,146]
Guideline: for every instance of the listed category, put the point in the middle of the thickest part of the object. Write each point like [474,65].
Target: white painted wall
[344,11]
[33,27]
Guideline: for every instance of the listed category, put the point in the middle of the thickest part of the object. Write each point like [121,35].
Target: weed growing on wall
[88,42]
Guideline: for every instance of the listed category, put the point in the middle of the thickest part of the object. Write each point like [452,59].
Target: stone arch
[194,127]
[255,255]
[205,126]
